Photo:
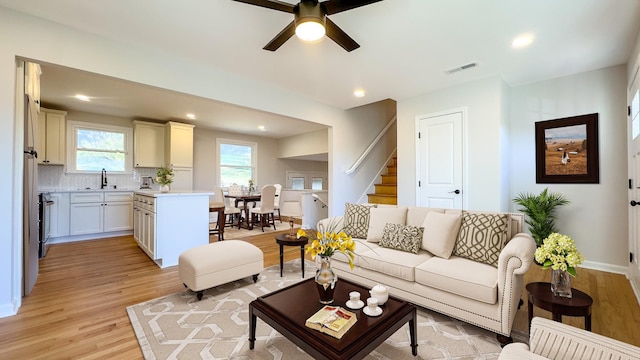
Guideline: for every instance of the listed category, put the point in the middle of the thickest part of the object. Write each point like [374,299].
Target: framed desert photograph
[567,150]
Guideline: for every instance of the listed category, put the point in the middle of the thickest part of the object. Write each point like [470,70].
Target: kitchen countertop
[58,190]
[157,193]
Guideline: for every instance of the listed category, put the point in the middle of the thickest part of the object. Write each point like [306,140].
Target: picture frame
[567,150]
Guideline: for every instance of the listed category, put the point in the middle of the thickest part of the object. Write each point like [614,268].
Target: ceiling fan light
[310,30]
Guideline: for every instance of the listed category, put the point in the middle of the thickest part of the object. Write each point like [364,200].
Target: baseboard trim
[593,265]
[66,239]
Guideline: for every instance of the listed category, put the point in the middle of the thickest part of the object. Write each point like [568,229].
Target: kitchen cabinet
[99,212]
[178,145]
[167,224]
[144,223]
[148,144]
[51,137]
[59,220]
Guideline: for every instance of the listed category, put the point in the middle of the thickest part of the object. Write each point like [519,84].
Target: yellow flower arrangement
[559,252]
[326,243]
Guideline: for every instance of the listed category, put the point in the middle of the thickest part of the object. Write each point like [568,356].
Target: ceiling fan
[310,21]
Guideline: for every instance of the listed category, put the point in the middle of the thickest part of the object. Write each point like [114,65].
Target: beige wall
[312,143]
[271,169]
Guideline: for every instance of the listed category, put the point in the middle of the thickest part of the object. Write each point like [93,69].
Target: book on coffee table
[332,320]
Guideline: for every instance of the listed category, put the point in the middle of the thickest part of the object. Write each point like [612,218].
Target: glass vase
[164,188]
[561,283]
[325,279]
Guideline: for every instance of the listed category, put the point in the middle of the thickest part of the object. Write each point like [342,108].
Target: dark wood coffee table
[286,311]
[540,295]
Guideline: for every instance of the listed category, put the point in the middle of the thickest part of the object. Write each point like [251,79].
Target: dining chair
[231,212]
[265,210]
[276,204]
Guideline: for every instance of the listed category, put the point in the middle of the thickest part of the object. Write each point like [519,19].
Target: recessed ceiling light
[522,41]
[358,93]
[262,128]
[82,97]
[191,116]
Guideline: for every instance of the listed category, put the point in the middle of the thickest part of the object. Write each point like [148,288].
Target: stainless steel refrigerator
[31,236]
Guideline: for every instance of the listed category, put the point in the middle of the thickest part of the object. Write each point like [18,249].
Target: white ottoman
[206,266]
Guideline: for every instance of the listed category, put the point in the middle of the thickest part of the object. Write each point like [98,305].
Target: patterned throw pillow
[402,237]
[356,220]
[482,237]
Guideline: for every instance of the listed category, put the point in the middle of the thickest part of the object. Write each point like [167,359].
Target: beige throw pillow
[356,220]
[380,216]
[482,237]
[440,233]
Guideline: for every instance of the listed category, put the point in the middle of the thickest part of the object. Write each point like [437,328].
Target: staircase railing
[371,146]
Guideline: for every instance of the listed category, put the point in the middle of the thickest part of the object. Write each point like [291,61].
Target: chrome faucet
[103,179]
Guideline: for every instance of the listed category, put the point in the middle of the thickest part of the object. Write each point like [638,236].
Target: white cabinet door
[182,179]
[118,216]
[51,137]
[137,223]
[148,144]
[60,215]
[179,144]
[150,234]
[86,218]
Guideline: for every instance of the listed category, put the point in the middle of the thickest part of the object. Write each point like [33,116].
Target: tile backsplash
[54,178]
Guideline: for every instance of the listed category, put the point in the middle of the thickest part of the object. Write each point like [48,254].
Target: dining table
[246,199]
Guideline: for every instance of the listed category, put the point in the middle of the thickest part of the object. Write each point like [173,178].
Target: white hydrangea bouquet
[559,252]
[164,175]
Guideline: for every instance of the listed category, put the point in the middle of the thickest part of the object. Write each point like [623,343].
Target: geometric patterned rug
[180,327]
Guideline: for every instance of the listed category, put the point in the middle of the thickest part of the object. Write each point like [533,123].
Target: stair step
[392,170]
[382,199]
[387,189]
[390,179]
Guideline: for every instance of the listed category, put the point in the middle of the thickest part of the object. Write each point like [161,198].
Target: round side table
[540,295]
[284,240]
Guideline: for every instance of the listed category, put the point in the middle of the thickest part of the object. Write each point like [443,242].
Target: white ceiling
[406,46]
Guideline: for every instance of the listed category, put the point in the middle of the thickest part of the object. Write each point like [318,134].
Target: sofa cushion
[440,233]
[460,276]
[402,237]
[361,247]
[481,237]
[379,216]
[416,214]
[392,262]
[356,220]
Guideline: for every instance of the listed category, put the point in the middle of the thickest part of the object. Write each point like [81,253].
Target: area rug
[235,233]
[180,327]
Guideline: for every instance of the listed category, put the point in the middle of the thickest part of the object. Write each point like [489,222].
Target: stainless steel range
[45,204]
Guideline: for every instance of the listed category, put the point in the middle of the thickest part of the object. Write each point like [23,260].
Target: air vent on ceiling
[460,68]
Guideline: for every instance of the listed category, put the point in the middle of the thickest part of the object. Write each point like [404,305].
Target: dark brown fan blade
[281,38]
[336,6]
[340,37]
[270,4]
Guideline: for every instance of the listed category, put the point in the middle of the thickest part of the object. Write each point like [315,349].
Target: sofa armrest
[333,221]
[556,340]
[514,261]
[521,247]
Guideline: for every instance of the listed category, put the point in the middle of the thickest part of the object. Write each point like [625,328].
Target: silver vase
[561,283]
[325,279]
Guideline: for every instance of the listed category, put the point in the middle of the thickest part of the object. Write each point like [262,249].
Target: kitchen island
[166,224]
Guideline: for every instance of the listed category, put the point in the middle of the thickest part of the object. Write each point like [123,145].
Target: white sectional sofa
[555,341]
[449,271]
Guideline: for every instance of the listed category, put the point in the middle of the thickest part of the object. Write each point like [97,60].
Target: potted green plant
[540,212]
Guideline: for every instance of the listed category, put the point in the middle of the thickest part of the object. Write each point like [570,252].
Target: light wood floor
[77,308]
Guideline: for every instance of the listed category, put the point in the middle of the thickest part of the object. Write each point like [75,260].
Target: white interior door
[440,160]
[634,188]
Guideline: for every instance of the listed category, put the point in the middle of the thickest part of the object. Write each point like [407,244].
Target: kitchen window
[236,161]
[93,147]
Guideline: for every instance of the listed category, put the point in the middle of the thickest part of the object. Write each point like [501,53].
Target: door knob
[457,191]
[634,203]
